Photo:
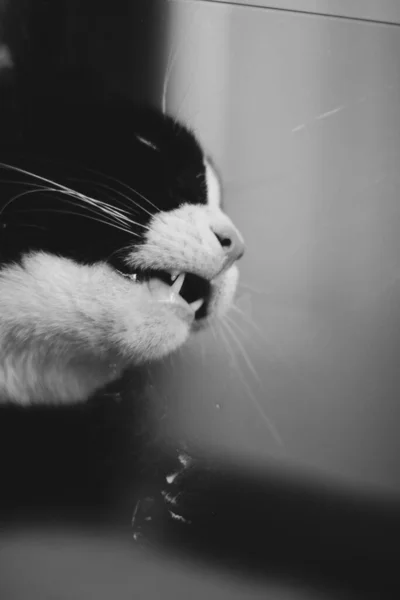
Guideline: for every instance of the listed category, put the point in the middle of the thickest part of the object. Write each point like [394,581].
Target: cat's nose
[231,241]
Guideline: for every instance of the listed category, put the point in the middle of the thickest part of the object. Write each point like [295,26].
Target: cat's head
[186,246]
[129,193]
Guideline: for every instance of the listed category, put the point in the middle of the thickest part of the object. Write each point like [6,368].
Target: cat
[114,246]
[114,250]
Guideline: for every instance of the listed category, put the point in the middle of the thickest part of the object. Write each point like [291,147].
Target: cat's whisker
[100,209]
[31,225]
[228,348]
[242,350]
[100,184]
[270,425]
[20,183]
[104,207]
[184,97]
[223,331]
[126,186]
[172,58]
[269,349]
[26,193]
[143,198]
[96,206]
[100,205]
[121,218]
[60,188]
[166,81]
[56,186]
[213,331]
[39,189]
[82,215]
[249,321]
[33,175]
[101,187]
[236,325]
[253,289]
[111,189]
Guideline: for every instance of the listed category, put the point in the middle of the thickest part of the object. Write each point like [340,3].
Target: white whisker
[110,189]
[83,196]
[99,211]
[212,328]
[101,187]
[32,225]
[39,189]
[249,321]
[238,328]
[272,428]
[242,351]
[35,176]
[26,193]
[126,186]
[24,183]
[100,205]
[59,188]
[70,212]
[254,289]
[228,347]
[172,58]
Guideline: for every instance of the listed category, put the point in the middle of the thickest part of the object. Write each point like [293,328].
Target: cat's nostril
[225,242]
[231,242]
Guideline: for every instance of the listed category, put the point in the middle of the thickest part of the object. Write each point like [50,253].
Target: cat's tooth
[196,304]
[174,275]
[178,283]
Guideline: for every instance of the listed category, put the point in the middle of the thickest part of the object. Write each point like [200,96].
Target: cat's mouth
[187,290]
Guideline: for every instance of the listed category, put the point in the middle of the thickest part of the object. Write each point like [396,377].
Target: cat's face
[114,219]
[135,191]
[187,247]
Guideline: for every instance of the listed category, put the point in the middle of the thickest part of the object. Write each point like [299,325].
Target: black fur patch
[134,159]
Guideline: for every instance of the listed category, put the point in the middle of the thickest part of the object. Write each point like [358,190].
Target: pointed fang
[178,283]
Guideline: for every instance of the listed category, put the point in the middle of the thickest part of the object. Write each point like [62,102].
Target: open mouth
[174,286]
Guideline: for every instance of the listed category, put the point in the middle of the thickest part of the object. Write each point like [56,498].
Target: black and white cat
[113,247]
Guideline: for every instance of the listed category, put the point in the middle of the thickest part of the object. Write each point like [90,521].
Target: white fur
[67,329]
